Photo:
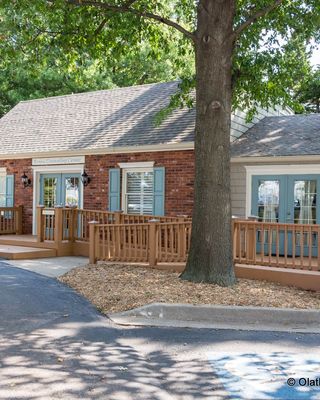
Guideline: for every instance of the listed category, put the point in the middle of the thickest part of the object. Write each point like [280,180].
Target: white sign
[47,212]
[58,161]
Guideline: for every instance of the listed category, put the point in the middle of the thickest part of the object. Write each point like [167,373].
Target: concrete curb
[221,317]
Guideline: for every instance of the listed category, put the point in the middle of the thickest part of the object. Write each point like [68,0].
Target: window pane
[268,200]
[72,192]
[305,202]
[139,193]
[50,192]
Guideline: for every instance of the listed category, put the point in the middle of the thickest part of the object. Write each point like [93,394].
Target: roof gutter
[101,151]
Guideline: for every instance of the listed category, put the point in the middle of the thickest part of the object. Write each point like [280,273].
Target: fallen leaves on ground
[114,288]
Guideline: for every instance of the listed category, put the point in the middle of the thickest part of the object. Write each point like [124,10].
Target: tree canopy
[63,46]
[308,91]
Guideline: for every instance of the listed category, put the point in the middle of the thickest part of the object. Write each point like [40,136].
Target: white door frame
[51,169]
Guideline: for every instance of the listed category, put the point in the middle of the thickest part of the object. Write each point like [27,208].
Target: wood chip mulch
[114,288]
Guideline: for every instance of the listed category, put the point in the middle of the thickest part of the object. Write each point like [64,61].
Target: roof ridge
[95,91]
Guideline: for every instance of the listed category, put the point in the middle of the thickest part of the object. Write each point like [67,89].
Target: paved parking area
[55,345]
[274,375]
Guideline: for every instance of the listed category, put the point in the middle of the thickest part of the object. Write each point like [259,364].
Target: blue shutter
[9,190]
[114,189]
[158,190]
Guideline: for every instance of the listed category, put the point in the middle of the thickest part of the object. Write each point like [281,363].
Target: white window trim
[3,171]
[147,164]
[124,182]
[295,169]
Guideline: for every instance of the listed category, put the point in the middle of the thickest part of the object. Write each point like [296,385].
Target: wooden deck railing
[275,244]
[154,242]
[113,236]
[74,223]
[11,220]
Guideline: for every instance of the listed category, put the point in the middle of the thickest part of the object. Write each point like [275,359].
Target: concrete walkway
[51,267]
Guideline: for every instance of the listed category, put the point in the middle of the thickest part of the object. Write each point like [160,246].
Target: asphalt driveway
[55,345]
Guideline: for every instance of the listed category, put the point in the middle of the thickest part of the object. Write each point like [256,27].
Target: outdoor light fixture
[85,178]
[25,180]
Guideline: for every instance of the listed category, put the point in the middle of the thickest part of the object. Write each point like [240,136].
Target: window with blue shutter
[9,190]
[114,189]
[158,190]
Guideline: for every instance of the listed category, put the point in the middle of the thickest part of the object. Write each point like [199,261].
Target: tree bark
[210,257]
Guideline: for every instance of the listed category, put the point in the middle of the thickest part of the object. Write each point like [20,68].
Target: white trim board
[294,169]
[58,160]
[142,164]
[102,151]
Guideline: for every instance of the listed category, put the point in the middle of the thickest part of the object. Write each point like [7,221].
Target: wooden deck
[24,247]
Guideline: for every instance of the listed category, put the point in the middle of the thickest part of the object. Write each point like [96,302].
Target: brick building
[102,150]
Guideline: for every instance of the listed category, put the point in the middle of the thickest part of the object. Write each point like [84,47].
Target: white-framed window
[137,188]
[137,191]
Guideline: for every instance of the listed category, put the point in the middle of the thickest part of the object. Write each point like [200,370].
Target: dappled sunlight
[264,375]
[55,345]
[72,359]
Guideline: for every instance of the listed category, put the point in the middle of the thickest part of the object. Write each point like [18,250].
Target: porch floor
[24,247]
[9,252]
[18,238]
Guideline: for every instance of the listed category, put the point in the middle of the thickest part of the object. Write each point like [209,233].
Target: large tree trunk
[210,257]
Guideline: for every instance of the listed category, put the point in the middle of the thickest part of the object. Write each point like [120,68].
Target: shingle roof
[105,118]
[280,136]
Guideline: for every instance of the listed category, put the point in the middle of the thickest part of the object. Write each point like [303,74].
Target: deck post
[40,228]
[93,239]
[118,217]
[73,224]
[18,220]
[58,226]
[251,239]
[153,242]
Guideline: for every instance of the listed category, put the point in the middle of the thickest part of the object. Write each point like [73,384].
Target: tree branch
[127,9]
[259,14]
[105,20]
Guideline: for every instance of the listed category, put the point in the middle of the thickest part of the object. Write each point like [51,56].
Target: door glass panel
[50,192]
[139,193]
[268,200]
[72,191]
[305,202]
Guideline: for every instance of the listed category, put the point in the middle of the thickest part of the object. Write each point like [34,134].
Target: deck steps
[10,252]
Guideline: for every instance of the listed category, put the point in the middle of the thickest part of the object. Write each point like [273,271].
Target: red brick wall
[179,178]
[22,196]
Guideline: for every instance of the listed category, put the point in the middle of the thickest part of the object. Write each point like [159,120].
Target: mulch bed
[114,288]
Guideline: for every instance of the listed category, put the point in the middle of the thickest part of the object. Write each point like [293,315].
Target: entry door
[60,190]
[286,199]
[269,205]
[303,208]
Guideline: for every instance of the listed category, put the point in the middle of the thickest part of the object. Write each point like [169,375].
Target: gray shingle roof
[280,136]
[106,118]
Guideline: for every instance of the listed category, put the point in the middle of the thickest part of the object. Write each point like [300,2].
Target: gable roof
[101,119]
[104,121]
[290,135]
